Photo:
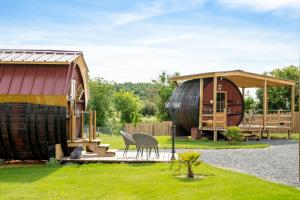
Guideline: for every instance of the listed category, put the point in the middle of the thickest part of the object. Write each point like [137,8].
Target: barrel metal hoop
[10,140]
[28,117]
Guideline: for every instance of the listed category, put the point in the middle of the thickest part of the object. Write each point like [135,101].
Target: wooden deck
[83,142]
[118,158]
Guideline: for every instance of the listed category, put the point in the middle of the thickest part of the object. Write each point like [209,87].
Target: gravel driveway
[278,163]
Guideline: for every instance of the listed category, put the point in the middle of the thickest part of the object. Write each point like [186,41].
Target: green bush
[53,162]
[189,160]
[233,134]
[149,109]
[129,106]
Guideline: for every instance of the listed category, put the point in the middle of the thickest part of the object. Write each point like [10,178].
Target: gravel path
[278,163]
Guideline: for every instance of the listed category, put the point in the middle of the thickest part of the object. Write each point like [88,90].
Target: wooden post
[201,104]
[91,126]
[58,152]
[215,84]
[265,106]
[71,125]
[225,113]
[82,125]
[292,111]
[299,115]
[95,124]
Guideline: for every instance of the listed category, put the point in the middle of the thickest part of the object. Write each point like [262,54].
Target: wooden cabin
[213,101]
[43,98]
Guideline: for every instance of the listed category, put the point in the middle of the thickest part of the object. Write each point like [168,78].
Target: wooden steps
[103,150]
[83,142]
[95,146]
[110,153]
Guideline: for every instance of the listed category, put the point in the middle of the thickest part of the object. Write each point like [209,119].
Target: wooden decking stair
[95,146]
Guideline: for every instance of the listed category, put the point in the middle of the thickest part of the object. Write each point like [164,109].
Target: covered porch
[214,117]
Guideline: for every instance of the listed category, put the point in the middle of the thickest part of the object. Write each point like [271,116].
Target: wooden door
[221,112]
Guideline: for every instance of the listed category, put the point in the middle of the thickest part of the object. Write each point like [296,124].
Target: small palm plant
[189,160]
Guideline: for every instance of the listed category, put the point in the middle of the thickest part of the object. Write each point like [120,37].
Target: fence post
[153,132]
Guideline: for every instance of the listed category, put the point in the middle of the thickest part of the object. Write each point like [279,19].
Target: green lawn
[133,181]
[295,136]
[166,143]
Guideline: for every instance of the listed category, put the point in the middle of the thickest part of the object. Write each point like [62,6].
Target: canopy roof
[240,78]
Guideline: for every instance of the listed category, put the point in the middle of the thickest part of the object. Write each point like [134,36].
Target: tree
[149,109]
[166,88]
[146,91]
[280,97]
[164,95]
[249,102]
[101,93]
[128,105]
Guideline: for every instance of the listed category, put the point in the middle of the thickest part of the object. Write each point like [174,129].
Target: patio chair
[128,140]
[146,141]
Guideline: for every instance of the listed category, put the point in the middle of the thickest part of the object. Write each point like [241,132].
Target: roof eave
[273,80]
[34,62]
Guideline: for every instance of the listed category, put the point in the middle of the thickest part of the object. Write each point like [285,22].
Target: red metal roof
[50,56]
[33,79]
[40,72]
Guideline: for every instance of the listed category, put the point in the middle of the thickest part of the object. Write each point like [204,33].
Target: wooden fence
[153,128]
[297,123]
[165,128]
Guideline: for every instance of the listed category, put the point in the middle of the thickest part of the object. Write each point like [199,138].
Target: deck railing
[82,117]
[276,120]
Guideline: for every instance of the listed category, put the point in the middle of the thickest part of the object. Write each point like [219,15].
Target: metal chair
[128,140]
[142,141]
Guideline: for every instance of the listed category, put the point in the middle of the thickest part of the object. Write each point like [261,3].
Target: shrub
[53,162]
[233,134]
[149,109]
[129,106]
[189,160]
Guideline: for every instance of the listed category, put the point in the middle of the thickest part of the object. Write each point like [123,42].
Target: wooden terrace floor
[119,158]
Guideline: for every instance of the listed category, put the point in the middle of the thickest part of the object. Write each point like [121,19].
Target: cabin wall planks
[26,130]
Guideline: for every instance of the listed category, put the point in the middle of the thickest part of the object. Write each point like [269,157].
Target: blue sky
[136,40]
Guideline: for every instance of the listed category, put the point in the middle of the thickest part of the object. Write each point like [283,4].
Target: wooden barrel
[187,116]
[27,130]
[187,94]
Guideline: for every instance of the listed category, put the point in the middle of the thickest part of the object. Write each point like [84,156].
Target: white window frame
[73,89]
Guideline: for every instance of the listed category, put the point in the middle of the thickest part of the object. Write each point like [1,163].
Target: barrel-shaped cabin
[38,91]
[213,101]
[229,108]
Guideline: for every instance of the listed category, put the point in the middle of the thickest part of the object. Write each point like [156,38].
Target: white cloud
[153,9]
[263,5]
[140,53]
[176,49]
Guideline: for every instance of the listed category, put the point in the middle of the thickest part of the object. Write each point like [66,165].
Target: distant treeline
[130,102]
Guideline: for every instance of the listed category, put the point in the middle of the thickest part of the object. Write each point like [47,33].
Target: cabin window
[73,89]
[220,102]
